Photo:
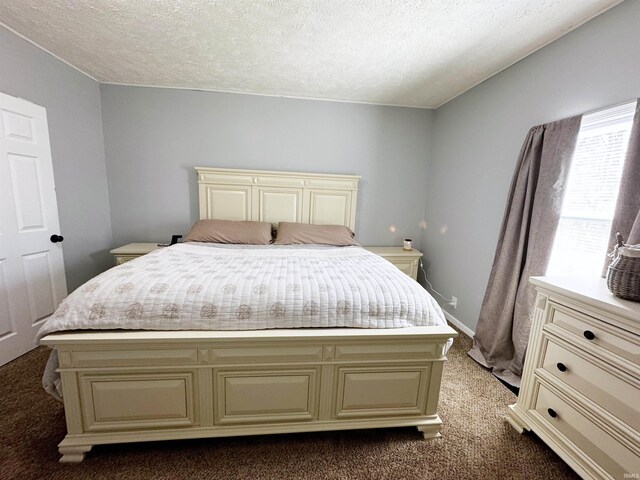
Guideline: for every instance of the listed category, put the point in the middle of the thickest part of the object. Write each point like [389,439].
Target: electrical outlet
[454,302]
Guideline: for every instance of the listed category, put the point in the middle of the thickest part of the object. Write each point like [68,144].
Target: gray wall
[72,101]
[154,137]
[479,134]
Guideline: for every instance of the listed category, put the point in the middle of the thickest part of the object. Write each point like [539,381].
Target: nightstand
[406,260]
[132,250]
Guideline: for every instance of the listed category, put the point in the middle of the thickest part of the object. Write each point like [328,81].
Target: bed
[335,357]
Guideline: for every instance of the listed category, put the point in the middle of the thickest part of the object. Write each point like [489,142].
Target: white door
[32,281]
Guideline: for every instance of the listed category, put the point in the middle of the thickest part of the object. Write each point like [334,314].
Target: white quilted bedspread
[204,287]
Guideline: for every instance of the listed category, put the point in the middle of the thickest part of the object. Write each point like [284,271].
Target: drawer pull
[589,335]
[552,413]
[562,367]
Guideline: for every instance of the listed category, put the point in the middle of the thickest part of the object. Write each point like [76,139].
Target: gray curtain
[524,247]
[626,218]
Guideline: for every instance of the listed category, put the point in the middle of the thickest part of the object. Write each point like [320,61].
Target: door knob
[56,238]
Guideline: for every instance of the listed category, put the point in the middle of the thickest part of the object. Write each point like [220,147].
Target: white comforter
[209,287]
[200,287]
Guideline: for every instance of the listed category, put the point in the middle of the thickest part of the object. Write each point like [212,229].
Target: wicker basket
[623,275]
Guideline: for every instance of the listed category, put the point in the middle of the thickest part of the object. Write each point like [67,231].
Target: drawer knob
[552,413]
[562,367]
[589,335]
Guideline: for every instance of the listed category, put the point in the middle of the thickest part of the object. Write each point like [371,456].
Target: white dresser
[580,390]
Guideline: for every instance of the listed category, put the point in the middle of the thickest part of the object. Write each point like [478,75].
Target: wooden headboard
[321,199]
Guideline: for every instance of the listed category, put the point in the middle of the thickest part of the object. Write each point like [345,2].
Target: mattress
[203,287]
[193,286]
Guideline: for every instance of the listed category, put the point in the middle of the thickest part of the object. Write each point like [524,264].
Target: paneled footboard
[147,385]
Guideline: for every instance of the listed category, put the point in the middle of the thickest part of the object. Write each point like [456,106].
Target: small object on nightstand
[407,245]
[174,240]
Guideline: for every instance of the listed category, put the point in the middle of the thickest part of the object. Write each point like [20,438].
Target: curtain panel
[626,218]
[524,247]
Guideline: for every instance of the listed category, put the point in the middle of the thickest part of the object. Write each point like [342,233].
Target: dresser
[405,260]
[580,390]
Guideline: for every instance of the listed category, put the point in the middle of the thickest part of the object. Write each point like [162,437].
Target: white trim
[49,52]
[276,95]
[608,116]
[531,52]
[458,324]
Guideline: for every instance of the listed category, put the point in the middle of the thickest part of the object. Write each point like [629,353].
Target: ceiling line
[553,39]
[49,52]
[294,97]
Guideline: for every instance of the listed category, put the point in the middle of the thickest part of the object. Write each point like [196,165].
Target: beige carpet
[477,444]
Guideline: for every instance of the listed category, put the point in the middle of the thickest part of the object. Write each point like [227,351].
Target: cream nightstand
[405,260]
[132,250]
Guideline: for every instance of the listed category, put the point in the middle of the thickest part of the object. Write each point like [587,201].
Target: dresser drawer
[567,424]
[574,326]
[615,392]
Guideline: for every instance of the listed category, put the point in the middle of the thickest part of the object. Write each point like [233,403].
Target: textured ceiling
[396,52]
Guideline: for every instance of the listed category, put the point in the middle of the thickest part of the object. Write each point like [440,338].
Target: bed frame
[130,386]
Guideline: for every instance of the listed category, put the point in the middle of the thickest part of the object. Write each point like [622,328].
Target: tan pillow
[228,231]
[304,233]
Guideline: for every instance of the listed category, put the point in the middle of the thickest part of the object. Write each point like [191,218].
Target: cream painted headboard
[321,199]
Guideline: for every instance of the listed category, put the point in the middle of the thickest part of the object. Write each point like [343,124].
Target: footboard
[141,386]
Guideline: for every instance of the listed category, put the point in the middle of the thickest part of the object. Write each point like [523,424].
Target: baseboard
[457,323]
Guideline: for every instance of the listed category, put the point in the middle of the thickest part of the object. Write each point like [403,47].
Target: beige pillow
[304,233]
[228,231]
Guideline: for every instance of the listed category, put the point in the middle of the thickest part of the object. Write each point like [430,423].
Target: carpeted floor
[478,443]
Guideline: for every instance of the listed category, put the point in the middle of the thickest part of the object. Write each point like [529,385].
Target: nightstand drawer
[407,266]
[120,259]
[405,260]
[616,392]
[132,251]
[592,332]
[564,422]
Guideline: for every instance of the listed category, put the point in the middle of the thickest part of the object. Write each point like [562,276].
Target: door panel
[6,320]
[32,281]
[26,191]
[39,285]
[17,126]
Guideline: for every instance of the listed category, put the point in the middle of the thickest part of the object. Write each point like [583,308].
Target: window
[592,190]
